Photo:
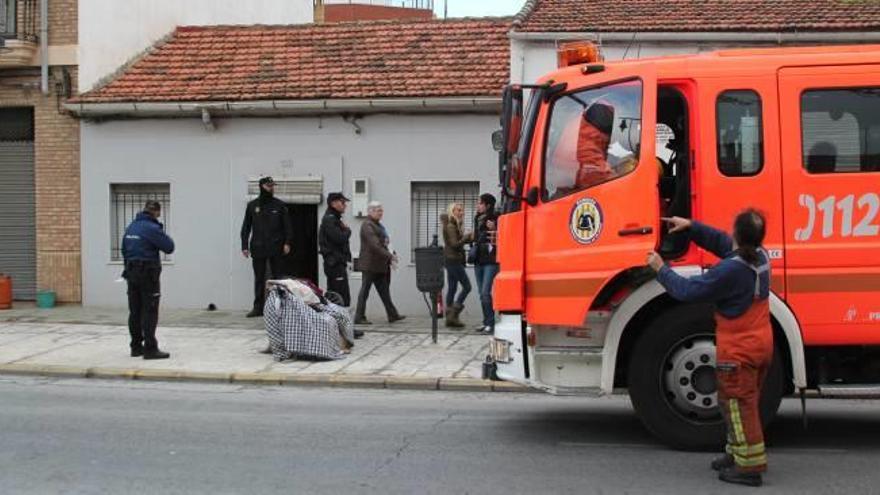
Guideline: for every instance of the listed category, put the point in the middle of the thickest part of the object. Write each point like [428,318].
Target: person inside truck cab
[594,137]
[739,287]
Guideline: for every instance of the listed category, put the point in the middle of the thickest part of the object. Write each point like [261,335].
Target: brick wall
[56,167]
[58,197]
[63,20]
[57,181]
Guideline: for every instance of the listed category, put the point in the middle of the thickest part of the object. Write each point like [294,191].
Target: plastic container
[46,299]
[5,292]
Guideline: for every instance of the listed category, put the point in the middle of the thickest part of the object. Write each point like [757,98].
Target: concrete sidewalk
[223,347]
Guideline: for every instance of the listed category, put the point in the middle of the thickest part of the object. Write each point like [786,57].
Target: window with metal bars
[430,200]
[126,201]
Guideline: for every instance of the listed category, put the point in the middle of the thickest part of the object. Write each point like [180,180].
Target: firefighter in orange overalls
[594,136]
[739,285]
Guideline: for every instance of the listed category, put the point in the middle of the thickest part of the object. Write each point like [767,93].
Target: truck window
[841,130]
[739,133]
[593,137]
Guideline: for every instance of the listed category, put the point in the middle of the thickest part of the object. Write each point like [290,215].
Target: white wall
[530,60]
[208,173]
[111,32]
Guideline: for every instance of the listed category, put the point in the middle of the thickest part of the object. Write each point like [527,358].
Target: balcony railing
[18,33]
[18,20]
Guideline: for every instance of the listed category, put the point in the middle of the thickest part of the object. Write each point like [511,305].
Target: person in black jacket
[267,219]
[143,240]
[484,258]
[333,240]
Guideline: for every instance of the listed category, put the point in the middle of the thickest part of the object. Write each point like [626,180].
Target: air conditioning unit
[360,197]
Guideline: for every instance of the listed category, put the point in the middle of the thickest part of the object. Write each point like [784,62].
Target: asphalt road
[107,437]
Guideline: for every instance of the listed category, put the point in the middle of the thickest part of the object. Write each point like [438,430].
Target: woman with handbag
[454,240]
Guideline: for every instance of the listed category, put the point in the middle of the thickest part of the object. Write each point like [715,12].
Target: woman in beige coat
[454,240]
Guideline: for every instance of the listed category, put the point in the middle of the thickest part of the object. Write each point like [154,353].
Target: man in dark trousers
[143,240]
[333,239]
[266,236]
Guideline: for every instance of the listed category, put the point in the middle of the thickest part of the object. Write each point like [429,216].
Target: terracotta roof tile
[698,15]
[466,57]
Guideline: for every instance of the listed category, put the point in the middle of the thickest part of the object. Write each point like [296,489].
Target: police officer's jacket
[333,239]
[144,238]
[266,228]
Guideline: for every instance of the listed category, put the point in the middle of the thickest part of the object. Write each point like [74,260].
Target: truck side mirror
[498,140]
[532,196]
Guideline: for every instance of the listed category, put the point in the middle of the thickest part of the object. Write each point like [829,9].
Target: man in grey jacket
[375,264]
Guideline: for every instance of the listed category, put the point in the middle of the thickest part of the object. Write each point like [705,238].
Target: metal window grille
[430,200]
[16,124]
[126,201]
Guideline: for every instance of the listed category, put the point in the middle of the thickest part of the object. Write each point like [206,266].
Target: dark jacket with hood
[144,238]
[486,251]
[267,219]
[333,239]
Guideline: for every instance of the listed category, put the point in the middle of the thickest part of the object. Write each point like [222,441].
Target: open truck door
[593,176]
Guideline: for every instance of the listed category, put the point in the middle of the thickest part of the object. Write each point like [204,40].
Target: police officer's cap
[336,196]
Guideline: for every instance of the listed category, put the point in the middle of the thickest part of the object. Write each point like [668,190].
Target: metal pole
[434,315]
[44,46]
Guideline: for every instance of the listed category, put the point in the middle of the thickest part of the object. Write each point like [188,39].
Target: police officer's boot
[156,354]
[732,475]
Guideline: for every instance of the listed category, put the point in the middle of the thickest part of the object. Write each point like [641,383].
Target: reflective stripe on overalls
[744,353]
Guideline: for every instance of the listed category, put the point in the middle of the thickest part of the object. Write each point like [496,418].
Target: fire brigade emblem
[586,221]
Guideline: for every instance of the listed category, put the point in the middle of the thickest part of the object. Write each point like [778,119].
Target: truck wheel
[672,380]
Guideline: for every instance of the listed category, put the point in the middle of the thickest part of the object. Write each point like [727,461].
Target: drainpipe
[44,46]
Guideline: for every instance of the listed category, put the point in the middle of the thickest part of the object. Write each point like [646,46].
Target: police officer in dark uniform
[333,239]
[266,236]
[143,240]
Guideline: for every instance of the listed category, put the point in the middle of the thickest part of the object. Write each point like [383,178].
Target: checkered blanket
[297,330]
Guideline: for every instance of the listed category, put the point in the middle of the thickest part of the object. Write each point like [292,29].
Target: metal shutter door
[18,235]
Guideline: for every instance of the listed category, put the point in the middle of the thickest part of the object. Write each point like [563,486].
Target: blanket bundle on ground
[298,330]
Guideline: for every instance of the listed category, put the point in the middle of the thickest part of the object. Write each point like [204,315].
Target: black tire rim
[688,380]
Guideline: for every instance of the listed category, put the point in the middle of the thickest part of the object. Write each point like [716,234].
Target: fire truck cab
[594,154]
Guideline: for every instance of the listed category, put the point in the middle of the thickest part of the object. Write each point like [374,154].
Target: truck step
[568,351]
[868,390]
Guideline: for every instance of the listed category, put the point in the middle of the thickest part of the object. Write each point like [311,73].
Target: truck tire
[672,380]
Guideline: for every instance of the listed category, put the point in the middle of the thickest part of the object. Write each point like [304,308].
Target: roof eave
[280,108]
[709,36]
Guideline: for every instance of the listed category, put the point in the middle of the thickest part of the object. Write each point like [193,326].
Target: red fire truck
[595,153]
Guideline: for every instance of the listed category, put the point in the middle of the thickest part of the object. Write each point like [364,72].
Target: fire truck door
[598,212]
[830,119]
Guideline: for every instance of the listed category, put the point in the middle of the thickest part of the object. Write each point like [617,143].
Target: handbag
[472,254]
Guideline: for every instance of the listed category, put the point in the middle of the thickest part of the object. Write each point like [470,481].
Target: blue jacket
[729,284]
[144,238]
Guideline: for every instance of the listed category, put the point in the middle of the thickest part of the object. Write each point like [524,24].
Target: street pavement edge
[271,379]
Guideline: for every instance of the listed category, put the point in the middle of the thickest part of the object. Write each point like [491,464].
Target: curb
[268,379]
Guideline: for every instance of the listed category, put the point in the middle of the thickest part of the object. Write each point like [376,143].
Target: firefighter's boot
[732,475]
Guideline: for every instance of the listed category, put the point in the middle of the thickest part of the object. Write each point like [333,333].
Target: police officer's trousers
[143,303]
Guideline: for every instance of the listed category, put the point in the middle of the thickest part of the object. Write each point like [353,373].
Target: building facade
[39,148]
[399,112]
